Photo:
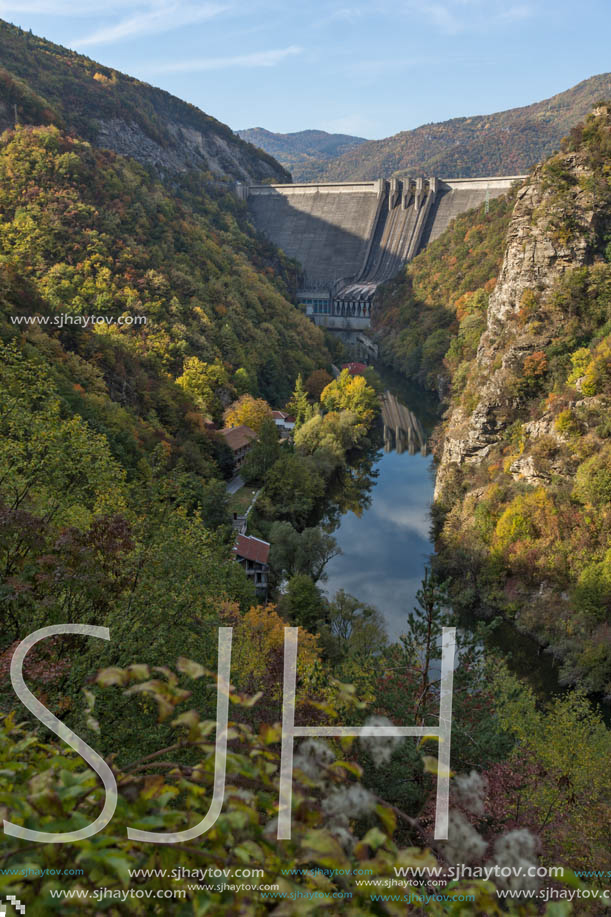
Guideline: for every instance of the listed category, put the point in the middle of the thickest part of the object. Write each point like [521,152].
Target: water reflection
[381,521]
[402,429]
[383,530]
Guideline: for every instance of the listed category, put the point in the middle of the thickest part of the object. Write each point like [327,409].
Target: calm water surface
[386,547]
[386,543]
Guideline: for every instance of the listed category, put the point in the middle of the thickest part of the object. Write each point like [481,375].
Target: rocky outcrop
[188,149]
[537,254]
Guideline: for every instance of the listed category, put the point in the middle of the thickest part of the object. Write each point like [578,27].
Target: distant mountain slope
[508,142]
[304,153]
[49,84]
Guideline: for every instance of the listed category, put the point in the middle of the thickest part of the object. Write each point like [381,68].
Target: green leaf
[375,838]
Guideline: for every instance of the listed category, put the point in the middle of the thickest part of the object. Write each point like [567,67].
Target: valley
[368,412]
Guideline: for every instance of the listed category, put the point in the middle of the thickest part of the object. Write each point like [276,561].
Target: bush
[593,479]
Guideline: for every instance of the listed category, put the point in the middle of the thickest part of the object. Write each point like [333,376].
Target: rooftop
[238,437]
[251,548]
[355,369]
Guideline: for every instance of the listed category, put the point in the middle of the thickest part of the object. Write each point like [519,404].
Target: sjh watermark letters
[290,732]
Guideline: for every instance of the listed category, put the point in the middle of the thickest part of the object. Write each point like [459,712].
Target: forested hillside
[524,484]
[428,320]
[139,312]
[505,143]
[47,84]
[304,153]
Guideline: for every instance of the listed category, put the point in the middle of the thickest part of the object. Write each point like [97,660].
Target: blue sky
[370,68]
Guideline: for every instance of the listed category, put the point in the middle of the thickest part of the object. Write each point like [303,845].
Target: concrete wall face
[350,237]
[325,230]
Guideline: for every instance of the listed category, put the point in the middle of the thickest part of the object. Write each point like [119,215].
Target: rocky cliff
[535,259]
[524,481]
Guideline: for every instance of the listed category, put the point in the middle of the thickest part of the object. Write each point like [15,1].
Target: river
[387,546]
[385,539]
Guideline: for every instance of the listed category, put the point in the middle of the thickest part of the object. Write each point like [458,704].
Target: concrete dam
[351,236]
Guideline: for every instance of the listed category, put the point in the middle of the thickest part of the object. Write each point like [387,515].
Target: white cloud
[256,59]
[158,17]
[411,517]
[456,16]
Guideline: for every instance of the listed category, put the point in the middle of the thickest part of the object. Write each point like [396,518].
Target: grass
[240,500]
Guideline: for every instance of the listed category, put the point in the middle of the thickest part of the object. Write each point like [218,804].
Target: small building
[283,421]
[240,440]
[253,553]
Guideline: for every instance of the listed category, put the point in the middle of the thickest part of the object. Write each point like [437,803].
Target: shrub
[593,479]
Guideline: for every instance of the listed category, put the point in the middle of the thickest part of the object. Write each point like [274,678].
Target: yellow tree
[247,410]
[351,393]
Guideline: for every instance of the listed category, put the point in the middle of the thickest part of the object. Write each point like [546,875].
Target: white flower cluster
[352,800]
[516,850]
[380,748]
[470,791]
[339,804]
[464,844]
[312,757]
[513,852]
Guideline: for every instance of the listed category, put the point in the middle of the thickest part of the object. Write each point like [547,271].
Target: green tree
[351,393]
[214,504]
[307,552]
[201,381]
[292,489]
[299,405]
[264,453]
[303,603]
[422,638]
[243,382]
[353,628]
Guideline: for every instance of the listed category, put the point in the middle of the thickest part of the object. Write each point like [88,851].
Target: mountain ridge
[45,83]
[303,153]
[507,142]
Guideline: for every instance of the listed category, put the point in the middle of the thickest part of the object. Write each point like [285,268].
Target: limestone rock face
[536,256]
[190,149]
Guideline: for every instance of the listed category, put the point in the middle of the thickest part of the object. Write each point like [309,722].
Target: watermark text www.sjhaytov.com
[65,319]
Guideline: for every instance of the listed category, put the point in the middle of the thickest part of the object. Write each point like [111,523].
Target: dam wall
[457,195]
[325,227]
[351,236]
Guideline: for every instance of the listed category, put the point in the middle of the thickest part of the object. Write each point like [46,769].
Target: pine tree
[299,404]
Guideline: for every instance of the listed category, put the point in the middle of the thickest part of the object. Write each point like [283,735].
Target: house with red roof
[355,369]
[253,554]
[283,421]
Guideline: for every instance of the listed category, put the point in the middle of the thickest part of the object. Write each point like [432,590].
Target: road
[234,485]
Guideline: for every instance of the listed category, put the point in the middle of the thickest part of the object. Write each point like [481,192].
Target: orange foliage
[535,364]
